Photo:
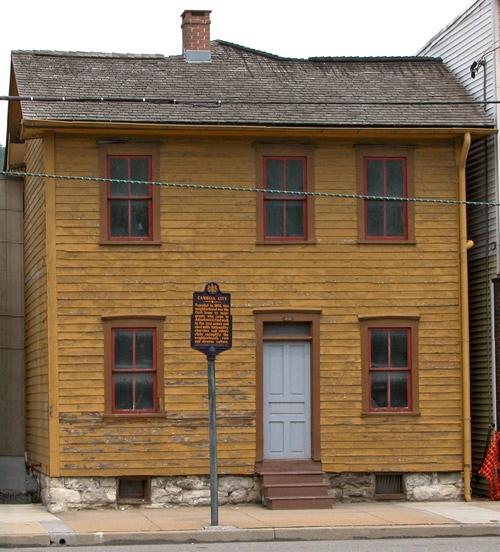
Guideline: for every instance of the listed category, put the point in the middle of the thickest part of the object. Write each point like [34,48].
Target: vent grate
[133,490]
[389,485]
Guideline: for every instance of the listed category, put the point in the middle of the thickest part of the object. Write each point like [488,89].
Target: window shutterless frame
[285,218]
[125,199]
[139,368]
[389,348]
[129,214]
[385,171]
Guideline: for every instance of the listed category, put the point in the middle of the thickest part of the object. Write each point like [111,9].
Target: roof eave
[34,127]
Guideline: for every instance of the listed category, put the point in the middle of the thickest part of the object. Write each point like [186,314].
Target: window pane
[379,348]
[395,179]
[395,225]
[144,349]
[375,177]
[139,170]
[399,349]
[274,172]
[118,168]
[274,218]
[123,349]
[123,391]
[144,391]
[294,218]
[399,390]
[118,218]
[378,391]
[295,175]
[140,218]
[375,218]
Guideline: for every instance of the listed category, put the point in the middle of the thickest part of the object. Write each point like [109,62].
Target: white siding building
[470,46]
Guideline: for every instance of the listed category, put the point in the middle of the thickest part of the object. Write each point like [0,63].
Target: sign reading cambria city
[211,320]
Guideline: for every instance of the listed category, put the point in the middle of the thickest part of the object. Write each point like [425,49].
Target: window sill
[130,242]
[285,242]
[390,413]
[387,242]
[134,416]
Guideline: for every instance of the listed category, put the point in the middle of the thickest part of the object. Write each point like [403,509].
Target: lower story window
[134,369]
[389,365]
[390,368]
[134,365]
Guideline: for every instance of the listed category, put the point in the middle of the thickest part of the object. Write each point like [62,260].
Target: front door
[287,400]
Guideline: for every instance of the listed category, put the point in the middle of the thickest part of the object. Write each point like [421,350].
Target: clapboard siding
[210,235]
[37,433]
[464,41]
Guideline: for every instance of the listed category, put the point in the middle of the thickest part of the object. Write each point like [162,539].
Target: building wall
[210,235]
[35,271]
[12,471]
[470,37]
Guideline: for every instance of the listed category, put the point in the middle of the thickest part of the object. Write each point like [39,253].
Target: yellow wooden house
[348,374]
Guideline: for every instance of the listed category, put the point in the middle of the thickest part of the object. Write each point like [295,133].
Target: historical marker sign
[211,320]
[211,334]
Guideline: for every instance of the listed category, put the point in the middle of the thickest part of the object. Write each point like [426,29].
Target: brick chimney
[196,35]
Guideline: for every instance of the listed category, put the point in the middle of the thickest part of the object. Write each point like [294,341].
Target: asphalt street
[463,544]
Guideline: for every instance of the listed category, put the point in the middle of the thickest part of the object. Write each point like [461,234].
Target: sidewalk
[31,525]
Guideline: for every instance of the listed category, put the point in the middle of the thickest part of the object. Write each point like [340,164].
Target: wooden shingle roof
[241,86]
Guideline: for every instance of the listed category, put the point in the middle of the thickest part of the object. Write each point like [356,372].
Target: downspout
[464,246]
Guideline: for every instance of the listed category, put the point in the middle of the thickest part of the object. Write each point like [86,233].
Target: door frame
[284,315]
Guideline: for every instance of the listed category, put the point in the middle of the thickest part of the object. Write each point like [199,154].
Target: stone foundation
[74,493]
[360,487]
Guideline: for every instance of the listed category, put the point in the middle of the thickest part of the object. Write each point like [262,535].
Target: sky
[289,28]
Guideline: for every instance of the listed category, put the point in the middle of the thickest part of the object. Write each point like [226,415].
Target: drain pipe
[465,245]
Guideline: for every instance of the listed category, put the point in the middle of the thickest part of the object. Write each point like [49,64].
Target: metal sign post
[212,423]
[211,334]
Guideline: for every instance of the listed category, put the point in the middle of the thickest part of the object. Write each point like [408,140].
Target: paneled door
[287,400]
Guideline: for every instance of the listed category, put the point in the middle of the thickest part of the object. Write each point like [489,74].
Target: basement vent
[133,490]
[389,485]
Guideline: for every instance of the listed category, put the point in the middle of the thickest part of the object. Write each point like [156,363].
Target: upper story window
[389,365]
[130,205]
[130,211]
[134,365]
[385,173]
[285,217]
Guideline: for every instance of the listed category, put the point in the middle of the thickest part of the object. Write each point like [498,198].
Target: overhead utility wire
[219,103]
[221,187]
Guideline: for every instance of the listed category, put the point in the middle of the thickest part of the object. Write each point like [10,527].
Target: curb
[252,535]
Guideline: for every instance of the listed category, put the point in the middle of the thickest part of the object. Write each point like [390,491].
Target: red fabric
[490,468]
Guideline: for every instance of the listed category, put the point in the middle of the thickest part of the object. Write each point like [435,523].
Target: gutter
[465,245]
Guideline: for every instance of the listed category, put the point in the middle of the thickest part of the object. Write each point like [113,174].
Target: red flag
[490,468]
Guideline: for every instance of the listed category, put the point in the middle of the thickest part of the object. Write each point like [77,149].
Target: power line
[159,100]
[246,189]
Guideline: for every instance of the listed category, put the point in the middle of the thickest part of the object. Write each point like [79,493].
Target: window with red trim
[134,370]
[285,215]
[129,205]
[389,361]
[385,177]
[133,365]
[389,368]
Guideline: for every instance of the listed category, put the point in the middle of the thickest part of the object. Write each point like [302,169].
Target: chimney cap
[196,12]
